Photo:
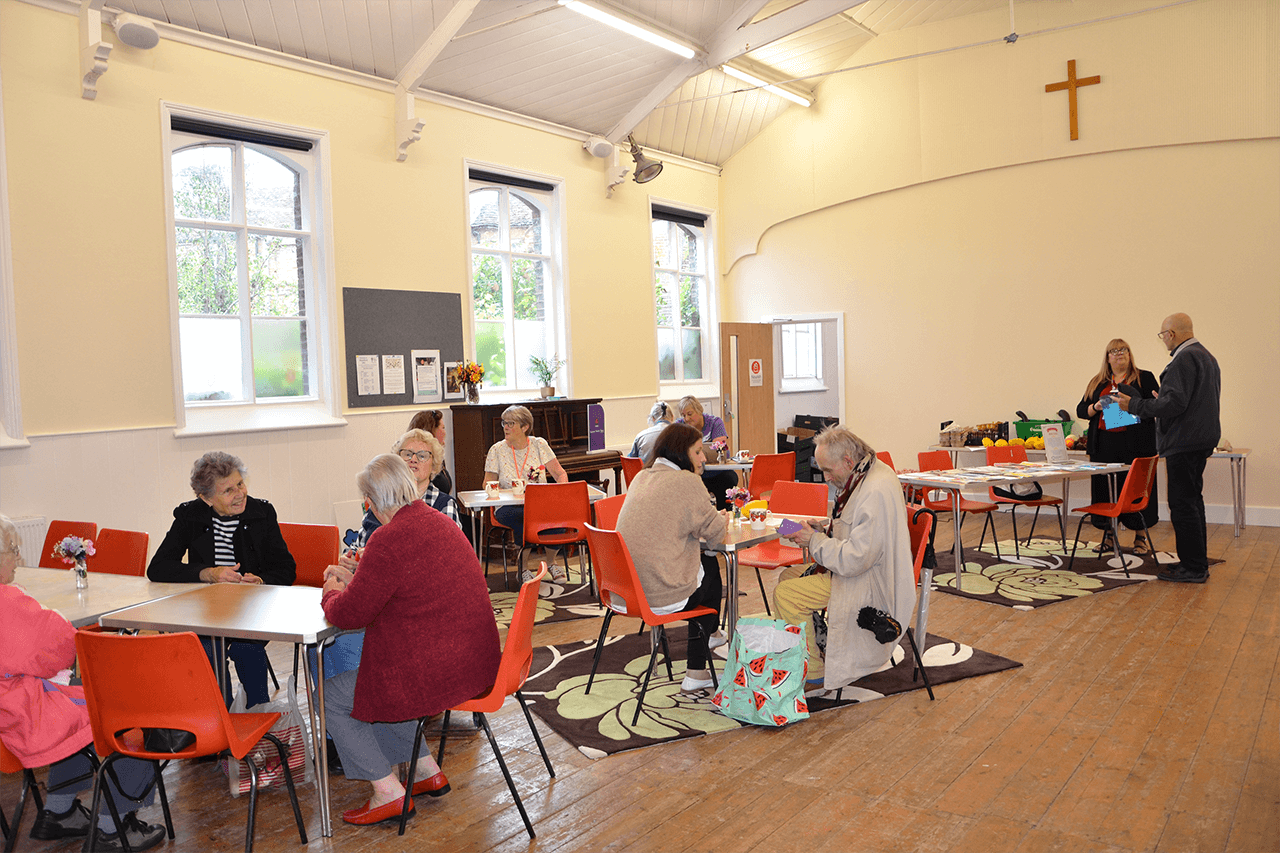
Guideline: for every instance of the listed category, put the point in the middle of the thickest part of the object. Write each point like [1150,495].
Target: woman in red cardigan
[431,641]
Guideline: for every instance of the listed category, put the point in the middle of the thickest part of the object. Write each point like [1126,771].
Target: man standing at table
[1187,430]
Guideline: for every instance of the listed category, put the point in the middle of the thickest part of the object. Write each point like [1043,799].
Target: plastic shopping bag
[764,676]
[291,729]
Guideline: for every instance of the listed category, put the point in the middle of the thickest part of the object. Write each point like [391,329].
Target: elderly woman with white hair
[431,641]
[660,417]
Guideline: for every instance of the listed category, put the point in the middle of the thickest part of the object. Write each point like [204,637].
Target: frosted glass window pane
[211,358]
[491,351]
[666,354]
[279,362]
[692,353]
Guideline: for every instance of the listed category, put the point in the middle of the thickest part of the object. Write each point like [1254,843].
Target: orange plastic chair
[607,511]
[182,693]
[940,460]
[314,548]
[883,456]
[556,514]
[504,534]
[120,552]
[769,468]
[517,655]
[921,524]
[1134,496]
[620,592]
[1018,453]
[631,465]
[59,529]
[789,498]
[9,763]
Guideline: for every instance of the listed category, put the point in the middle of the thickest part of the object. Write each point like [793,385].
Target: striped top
[224,550]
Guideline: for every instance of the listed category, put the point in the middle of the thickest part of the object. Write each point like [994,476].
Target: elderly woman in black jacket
[225,536]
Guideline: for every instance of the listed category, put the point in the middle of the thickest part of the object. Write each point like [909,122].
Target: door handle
[728,408]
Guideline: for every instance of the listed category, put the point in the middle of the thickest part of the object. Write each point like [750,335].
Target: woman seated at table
[711,428]
[663,521]
[432,421]
[45,721]
[521,456]
[431,641]
[226,536]
[660,417]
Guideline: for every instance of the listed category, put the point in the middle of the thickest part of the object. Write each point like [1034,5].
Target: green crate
[1026,429]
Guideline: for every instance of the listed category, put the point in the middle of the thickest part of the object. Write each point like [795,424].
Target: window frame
[803,382]
[321,407]
[709,384]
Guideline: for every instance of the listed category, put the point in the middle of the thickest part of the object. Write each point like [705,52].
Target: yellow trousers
[795,599]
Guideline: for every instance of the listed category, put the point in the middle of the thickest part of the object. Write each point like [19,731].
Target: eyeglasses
[510,424]
[1165,332]
[1118,351]
[421,455]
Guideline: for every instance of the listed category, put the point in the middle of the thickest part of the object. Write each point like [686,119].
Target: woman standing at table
[431,641]
[521,456]
[432,421]
[664,520]
[1120,444]
[43,720]
[225,536]
[711,428]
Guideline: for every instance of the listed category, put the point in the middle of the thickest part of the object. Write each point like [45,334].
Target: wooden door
[747,408]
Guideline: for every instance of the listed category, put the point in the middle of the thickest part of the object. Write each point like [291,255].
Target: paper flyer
[367,375]
[393,374]
[426,376]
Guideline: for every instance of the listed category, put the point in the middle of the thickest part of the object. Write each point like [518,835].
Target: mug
[758,515]
[491,488]
[743,455]
[517,487]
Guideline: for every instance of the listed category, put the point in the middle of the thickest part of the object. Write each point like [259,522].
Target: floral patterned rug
[556,602]
[599,723]
[1039,576]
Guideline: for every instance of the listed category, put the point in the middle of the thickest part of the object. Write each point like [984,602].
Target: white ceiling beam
[415,70]
[508,16]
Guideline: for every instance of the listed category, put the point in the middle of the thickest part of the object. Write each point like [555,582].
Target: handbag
[1020,491]
[764,676]
[291,729]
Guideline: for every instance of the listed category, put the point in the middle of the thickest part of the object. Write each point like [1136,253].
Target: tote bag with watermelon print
[763,680]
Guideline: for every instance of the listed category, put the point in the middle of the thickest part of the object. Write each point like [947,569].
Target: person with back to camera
[664,520]
[226,536]
[1120,444]
[711,428]
[660,417]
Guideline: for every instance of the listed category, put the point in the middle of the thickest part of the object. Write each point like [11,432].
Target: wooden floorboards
[1146,718]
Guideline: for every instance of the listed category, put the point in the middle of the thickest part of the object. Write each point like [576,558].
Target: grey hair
[521,415]
[660,413]
[436,448]
[9,537]
[211,468]
[841,440]
[387,483]
[690,401]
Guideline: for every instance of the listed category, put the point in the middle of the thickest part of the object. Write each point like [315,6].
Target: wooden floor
[1145,718]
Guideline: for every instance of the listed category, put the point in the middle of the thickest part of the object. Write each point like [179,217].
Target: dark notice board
[395,322]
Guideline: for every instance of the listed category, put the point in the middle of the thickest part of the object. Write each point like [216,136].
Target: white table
[289,614]
[477,501]
[55,589]
[738,537]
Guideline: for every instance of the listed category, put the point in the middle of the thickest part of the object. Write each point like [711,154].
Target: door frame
[814,317]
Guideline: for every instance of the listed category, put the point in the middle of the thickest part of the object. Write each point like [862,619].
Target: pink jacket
[40,722]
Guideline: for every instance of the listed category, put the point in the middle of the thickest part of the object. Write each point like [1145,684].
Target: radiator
[32,529]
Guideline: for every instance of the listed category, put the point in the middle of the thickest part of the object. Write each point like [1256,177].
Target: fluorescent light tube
[768,87]
[626,26]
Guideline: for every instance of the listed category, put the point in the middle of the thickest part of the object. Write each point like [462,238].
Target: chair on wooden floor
[513,669]
[923,524]
[182,693]
[1134,496]
[556,516]
[621,593]
[789,498]
[59,529]
[314,547]
[769,468]
[504,534]
[1018,453]
[631,465]
[940,460]
[120,552]
[607,511]
[9,763]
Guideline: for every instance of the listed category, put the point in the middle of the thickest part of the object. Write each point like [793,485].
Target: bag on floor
[291,729]
[763,681]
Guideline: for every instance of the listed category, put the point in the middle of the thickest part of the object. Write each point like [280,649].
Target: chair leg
[98,790]
[760,580]
[1076,544]
[1013,517]
[288,780]
[595,661]
[536,737]
[271,670]
[413,766]
[1032,534]
[29,787]
[644,688]
[666,650]
[253,807]
[444,733]
[1115,535]
[915,650]
[506,774]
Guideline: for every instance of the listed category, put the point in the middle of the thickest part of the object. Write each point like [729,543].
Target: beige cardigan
[666,514]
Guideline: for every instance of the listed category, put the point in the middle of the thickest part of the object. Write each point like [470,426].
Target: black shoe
[1178,573]
[141,835]
[335,761]
[73,823]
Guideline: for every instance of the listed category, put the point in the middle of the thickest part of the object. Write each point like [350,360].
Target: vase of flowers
[720,446]
[74,551]
[470,377]
[738,497]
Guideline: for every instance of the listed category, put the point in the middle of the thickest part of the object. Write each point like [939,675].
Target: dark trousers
[719,482]
[250,657]
[701,628]
[1185,492]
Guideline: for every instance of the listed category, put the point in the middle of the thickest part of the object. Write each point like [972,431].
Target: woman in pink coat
[43,720]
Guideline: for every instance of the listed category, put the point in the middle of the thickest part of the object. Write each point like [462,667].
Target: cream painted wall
[982,260]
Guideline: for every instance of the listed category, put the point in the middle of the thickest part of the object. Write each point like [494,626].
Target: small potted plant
[545,370]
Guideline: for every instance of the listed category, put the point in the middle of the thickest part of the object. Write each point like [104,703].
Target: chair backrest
[934,460]
[920,523]
[9,762]
[997,455]
[181,691]
[616,577]
[1136,490]
[556,506]
[607,511]
[314,548]
[120,552]
[631,465]
[792,498]
[769,468]
[59,529]
[883,456]
[517,654]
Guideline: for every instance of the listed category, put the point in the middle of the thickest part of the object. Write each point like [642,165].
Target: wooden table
[289,614]
[56,590]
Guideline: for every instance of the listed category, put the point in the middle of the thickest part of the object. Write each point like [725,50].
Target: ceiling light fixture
[622,24]
[646,169]
[768,87]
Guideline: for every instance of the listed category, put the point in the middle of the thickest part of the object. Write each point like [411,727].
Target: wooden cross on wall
[1070,84]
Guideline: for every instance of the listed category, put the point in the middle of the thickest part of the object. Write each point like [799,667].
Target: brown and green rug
[599,723]
[556,602]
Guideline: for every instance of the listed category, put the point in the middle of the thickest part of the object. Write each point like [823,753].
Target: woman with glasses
[432,421]
[1121,443]
[521,456]
[425,457]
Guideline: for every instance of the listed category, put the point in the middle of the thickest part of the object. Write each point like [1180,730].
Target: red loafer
[436,786]
[365,816]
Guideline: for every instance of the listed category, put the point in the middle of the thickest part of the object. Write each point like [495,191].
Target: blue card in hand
[787,527]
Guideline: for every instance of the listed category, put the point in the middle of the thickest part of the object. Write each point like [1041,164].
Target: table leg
[1237,493]
[957,548]
[220,656]
[731,596]
[315,706]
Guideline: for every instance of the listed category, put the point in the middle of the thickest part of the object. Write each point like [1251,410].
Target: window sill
[9,443]
[220,420]
[701,389]
[803,387]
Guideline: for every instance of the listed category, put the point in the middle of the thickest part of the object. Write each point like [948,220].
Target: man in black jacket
[1187,431]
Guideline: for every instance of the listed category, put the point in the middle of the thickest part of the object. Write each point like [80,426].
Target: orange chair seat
[770,555]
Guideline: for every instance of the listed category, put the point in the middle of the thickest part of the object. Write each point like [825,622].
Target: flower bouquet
[470,376]
[737,496]
[73,551]
[720,445]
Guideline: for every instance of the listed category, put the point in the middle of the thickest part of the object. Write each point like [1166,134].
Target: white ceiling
[539,59]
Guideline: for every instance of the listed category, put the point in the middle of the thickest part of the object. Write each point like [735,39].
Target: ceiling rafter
[408,127]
